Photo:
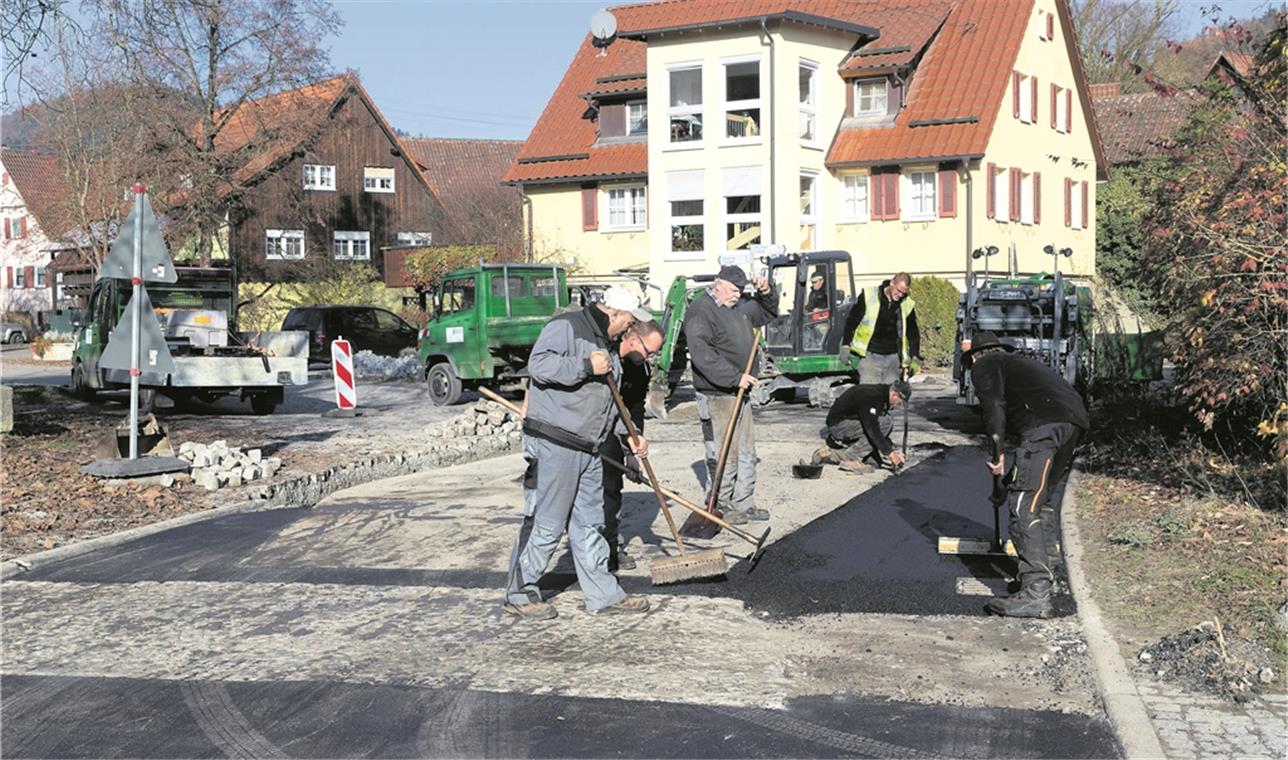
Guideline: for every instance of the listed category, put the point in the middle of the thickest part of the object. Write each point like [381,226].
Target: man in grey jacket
[718,328]
[570,411]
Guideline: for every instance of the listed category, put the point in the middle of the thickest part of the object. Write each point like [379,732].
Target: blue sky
[485,69]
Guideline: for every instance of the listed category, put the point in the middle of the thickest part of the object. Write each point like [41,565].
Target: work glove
[634,472]
[844,355]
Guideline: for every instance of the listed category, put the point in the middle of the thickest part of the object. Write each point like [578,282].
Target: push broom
[686,565]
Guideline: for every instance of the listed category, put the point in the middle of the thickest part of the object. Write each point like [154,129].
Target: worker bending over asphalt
[1026,397]
[882,331]
[718,328]
[570,412]
[639,345]
[858,420]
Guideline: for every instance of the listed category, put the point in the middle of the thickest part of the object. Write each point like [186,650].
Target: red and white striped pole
[346,392]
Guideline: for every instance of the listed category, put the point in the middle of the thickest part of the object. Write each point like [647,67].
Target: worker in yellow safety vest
[882,331]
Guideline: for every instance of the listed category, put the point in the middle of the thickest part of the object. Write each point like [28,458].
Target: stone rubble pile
[218,465]
[370,366]
[485,427]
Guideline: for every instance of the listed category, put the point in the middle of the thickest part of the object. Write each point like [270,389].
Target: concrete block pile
[484,428]
[218,465]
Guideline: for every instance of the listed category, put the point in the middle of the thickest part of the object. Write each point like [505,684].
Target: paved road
[370,626]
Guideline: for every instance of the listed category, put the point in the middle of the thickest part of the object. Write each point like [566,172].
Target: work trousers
[1041,468]
[849,434]
[562,487]
[738,485]
[880,369]
[611,448]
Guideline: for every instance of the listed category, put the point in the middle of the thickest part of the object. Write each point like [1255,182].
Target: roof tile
[1141,124]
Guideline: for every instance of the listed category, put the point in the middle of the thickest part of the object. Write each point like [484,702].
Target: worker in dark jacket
[638,346]
[569,413]
[718,328]
[881,330]
[857,418]
[1025,397]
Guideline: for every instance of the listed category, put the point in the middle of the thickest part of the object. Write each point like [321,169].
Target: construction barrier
[346,392]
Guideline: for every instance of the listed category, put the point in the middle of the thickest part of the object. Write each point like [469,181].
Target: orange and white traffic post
[346,392]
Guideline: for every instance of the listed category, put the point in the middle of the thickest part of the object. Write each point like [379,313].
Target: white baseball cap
[621,299]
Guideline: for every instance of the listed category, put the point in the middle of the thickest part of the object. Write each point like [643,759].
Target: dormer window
[636,118]
[623,119]
[871,97]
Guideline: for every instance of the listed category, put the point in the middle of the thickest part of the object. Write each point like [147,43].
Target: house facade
[26,283]
[908,134]
[337,187]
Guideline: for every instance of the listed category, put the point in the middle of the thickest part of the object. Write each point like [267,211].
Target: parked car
[12,332]
[367,328]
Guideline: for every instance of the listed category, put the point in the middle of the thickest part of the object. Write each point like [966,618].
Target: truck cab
[484,323]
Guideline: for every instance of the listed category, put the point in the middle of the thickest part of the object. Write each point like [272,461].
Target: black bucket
[807,471]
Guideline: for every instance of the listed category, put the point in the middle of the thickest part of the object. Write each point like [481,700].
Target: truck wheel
[266,402]
[444,386]
[80,386]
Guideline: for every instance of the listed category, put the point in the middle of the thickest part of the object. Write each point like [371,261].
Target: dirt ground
[1194,584]
[46,502]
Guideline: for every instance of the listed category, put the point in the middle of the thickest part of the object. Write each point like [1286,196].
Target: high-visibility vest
[868,325]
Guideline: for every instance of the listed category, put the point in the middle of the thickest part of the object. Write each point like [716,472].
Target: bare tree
[220,55]
[1119,39]
[25,28]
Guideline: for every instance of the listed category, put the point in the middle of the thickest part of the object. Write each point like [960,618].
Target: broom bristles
[705,564]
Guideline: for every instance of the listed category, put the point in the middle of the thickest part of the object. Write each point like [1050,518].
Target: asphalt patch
[53,716]
[878,552]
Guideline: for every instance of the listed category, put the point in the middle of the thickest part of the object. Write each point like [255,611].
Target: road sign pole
[135,304]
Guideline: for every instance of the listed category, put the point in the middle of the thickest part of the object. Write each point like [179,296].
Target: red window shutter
[990,190]
[876,195]
[10,271]
[5,181]
[1015,195]
[1015,94]
[589,208]
[1033,101]
[892,194]
[1068,202]
[947,193]
[1068,110]
[1055,94]
[1037,197]
[1084,205]
[1050,29]
[6,230]
[29,277]
[849,97]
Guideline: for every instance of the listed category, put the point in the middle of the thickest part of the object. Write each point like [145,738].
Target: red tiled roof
[617,86]
[1241,64]
[463,170]
[1104,90]
[1140,124]
[41,185]
[969,48]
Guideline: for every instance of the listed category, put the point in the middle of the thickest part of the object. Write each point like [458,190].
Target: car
[12,332]
[367,328]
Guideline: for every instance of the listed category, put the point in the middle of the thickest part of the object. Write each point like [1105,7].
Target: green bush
[936,318]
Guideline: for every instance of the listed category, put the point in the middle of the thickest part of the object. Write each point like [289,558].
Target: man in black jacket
[856,417]
[881,330]
[638,345]
[718,328]
[1027,398]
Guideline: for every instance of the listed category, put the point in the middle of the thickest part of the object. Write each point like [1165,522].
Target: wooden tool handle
[648,468]
[729,428]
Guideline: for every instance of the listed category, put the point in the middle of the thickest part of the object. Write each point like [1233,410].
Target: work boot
[621,561]
[1032,601]
[531,610]
[737,517]
[824,455]
[631,605]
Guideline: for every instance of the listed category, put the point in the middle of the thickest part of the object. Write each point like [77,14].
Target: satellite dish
[603,28]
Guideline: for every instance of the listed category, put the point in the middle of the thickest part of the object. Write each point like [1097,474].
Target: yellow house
[907,132]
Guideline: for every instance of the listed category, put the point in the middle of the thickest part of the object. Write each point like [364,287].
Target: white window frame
[691,109]
[630,202]
[414,238]
[1026,99]
[727,106]
[920,187]
[277,244]
[808,108]
[642,107]
[1027,196]
[380,181]
[872,97]
[1061,109]
[19,277]
[690,219]
[319,177]
[41,279]
[344,245]
[809,217]
[856,198]
[1075,205]
[1002,194]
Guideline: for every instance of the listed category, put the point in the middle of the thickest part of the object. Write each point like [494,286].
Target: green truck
[485,321]
[197,315]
